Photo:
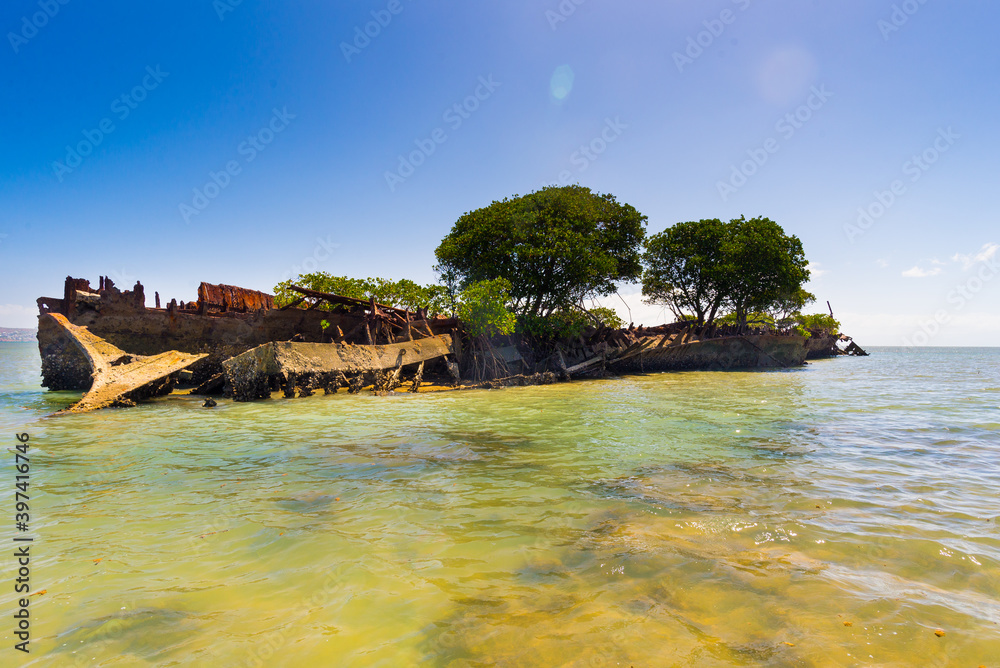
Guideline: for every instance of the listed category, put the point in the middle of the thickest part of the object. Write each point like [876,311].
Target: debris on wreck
[118,378]
[853,348]
[380,322]
[827,342]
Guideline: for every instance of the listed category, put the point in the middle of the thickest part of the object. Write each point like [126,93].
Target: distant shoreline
[17,334]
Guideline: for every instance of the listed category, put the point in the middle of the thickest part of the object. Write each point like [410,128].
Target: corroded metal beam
[249,373]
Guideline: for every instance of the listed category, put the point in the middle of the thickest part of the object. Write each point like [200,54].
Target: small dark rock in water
[209,403]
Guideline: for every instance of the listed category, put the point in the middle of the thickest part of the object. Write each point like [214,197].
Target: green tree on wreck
[403,293]
[764,265]
[556,247]
[817,322]
[787,310]
[686,269]
[701,269]
[483,308]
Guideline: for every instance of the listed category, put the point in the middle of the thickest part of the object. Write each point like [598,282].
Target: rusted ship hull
[760,351]
[155,332]
[225,322]
[252,348]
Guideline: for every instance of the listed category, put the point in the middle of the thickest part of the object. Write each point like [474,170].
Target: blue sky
[182,142]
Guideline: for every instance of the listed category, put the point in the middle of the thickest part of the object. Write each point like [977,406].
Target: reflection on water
[834,515]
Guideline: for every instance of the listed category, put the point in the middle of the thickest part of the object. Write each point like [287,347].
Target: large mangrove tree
[555,247]
[706,268]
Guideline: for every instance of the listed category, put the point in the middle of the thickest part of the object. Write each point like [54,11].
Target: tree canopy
[556,247]
[788,308]
[703,268]
[685,269]
[766,266]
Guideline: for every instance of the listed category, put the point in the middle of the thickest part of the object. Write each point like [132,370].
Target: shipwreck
[108,343]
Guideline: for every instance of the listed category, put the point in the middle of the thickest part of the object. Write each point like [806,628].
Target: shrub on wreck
[602,315]
[556,247]
[786,310]
[784,313]
[483,310]
[567,323]
[403,293]
[756,319]
[817,322]
[707,268]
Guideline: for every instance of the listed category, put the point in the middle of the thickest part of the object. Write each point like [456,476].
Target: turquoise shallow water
[833,515]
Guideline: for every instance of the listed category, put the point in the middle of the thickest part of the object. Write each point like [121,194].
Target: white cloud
[882,263]
[985,254]
[816,270]
[917,272]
